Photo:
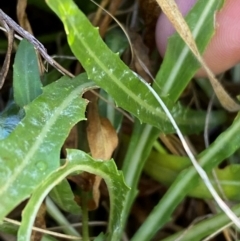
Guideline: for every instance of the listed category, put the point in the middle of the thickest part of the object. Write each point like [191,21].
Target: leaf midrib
[42,136]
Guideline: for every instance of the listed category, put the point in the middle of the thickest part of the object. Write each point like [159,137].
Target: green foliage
[26,79]
[31,151]
[80,161]
[34,127]
[62,195]
[116,41]
[224,146]
[174,76]
[8,228]
[108,110]
[107,70]
[204,228]
[170,166]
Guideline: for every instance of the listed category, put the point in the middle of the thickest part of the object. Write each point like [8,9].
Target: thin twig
[121,26]
[15,35]
[42,50]
[90,223]
[5,67]
[38,46]
[198,168]
[44,231]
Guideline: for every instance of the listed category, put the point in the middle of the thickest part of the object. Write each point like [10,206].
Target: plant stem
[141,143]
[55,213]
[85,231]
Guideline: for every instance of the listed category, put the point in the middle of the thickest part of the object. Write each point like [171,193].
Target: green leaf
[107,70]
[26,80]
[229,180]
[59,217]
[224,146]
[116,40]
[179,64]
[107,109]
[63,196]
[204,228]
[48,238]
[8,228]
[139,147]
[100,237]
[165,169]
[80,161]
[31,152]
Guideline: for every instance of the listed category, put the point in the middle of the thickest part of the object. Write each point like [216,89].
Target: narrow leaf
[63,196]
[107,109]
[106,69]
[204,228]
[165,169]
[224,146]
[170,8]
[26,78]
[179,64]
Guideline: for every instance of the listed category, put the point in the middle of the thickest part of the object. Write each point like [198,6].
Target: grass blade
[26,77]
[179,64]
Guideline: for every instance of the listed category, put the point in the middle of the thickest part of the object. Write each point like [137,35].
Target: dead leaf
[22,16]
[89,183]
[171,10]
[103,22]
[102,137]
[99,12]
[103,140]
[6,63]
